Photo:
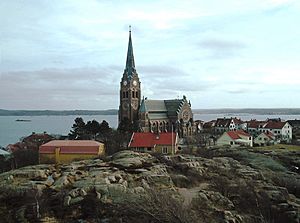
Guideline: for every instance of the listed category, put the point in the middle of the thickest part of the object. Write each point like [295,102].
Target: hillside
[216,185]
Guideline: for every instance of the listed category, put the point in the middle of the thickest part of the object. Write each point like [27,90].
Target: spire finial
[130,28]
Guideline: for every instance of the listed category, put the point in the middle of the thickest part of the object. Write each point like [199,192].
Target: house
[265,138]
[199,125]
[294,123]
[255,127]
[281,130]
[66,151]
[165,142]
[296,130]
[4,153]
[209,126]
[33,141]
[228,124]
[235,138]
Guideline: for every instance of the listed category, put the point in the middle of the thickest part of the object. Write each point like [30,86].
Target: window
[140,149]
[164,150]
[126,94]
[231,142]
[123,94]
[149,149]
[136,94]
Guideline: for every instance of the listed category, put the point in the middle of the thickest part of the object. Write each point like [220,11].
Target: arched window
[123,94]
[132,94]
[136,94]
[160,127]
[126,94]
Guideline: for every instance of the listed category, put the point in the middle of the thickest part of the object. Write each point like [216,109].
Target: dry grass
[279,148]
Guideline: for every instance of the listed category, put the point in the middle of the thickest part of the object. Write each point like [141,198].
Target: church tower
[130,88]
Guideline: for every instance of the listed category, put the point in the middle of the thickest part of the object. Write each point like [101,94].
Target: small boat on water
[23,120]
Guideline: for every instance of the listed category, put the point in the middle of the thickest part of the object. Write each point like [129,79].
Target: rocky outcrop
[218,189]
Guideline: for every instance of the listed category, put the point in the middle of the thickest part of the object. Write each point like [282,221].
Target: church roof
[161,109]
[155,105]
[173,106]
[143,106]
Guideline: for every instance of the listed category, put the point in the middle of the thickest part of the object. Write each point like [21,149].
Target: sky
[70,54]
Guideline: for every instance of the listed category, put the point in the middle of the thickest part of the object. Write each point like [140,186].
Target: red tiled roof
[275,125]
[269,135]
[223,122]
[71,146]
[209,124]
[236,134]
[237,121]
[16,146]
[256,124]
[148,139]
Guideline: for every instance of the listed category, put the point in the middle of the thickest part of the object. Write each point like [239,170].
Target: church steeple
[130,88]
[130,66]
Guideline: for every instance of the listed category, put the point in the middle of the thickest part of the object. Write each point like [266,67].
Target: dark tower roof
[130,66]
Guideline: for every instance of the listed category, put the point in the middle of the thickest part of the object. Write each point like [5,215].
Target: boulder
[131,162]
[32,174]
[75,200]
[117,193]
[61,182]
[86,184]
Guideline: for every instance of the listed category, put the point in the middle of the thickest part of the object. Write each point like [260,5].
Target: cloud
[160,71]
[60,88]
[219,49]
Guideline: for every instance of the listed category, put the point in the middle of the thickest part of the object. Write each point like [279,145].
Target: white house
[228,124]
[235,138]
[4,153]
[281,130]
[265,138]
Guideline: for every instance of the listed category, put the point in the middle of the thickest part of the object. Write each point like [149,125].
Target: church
[155,116]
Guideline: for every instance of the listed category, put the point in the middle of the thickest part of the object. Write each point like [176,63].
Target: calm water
[11,131]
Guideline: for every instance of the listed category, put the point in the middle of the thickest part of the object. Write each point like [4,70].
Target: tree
[92,128]
[125,130]
[78,129]
[25,157]
[104,129]
[125,126]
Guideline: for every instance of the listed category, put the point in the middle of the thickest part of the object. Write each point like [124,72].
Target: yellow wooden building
[66,151]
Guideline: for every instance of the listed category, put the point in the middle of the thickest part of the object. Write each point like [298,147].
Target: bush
[25,157]
[5,164]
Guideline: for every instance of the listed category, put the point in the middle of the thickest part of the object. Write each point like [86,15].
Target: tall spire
[130,66]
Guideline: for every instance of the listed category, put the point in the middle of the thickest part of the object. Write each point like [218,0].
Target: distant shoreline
[258,111]
[56,113]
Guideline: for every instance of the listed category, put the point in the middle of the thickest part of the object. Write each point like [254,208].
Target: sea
[11,131]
